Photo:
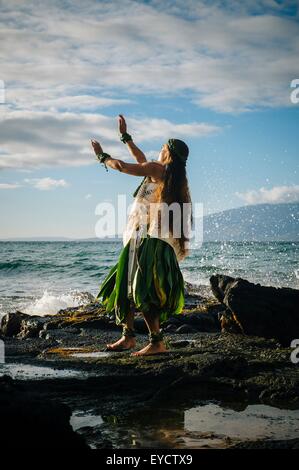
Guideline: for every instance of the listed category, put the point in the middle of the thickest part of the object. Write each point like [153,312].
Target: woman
[147,276]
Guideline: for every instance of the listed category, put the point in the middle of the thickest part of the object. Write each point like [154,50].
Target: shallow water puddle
[91,355]
[82,419]
[255,422]
[30,372]
[82,353]
[205,426]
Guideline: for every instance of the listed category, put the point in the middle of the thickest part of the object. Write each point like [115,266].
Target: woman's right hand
[122,125]
[96,146]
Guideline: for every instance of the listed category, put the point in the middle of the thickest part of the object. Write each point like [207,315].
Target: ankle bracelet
[156,337]
[128,332]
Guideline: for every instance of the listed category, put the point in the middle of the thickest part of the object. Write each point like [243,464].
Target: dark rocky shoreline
[202,363]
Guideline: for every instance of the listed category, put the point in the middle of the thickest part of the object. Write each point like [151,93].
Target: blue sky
[215,74]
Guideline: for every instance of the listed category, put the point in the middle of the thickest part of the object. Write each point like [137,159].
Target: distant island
[260,222]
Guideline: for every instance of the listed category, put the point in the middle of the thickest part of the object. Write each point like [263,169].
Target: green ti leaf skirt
[157,284]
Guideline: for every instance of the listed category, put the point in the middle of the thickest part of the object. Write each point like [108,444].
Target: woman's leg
[155,346]
[126,341]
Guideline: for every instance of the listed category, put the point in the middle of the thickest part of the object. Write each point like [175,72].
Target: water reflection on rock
[208,425]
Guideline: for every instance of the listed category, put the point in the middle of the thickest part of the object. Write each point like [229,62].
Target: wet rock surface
[201,362]
[200,314]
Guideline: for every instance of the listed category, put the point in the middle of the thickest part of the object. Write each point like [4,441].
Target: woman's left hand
[96,147]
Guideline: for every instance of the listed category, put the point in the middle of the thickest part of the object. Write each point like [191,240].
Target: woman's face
[163,153]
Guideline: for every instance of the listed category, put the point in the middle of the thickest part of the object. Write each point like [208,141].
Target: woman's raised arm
[133,149]
[152,169]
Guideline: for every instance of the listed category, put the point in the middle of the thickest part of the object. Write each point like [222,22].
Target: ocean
[41,278]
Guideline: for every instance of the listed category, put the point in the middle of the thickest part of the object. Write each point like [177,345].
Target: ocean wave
[87,267]
[22,264]
[50,304]
[14,264]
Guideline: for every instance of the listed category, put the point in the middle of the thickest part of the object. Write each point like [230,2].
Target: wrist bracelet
[125,137]
[102,157]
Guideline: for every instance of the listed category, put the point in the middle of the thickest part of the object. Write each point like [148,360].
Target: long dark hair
[175,188]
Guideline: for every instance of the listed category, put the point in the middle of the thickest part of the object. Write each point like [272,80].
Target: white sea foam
[297,273]
[49,304]
[195,278]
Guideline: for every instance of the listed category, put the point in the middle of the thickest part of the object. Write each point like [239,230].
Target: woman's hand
[96,147]
[111,162]
[122,125]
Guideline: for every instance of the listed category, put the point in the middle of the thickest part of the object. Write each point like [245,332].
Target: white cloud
[34,139]
[154,129]
[47,183]
[61,62]
[231,56]
[9,185]
[274,195]
[43,100]
[87,196]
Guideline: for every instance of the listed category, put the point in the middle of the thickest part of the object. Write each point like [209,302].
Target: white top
[143,219]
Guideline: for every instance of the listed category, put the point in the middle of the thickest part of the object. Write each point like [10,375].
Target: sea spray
[50,304]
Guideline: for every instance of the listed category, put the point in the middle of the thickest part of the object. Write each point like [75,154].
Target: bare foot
[125,342]
[150,349]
